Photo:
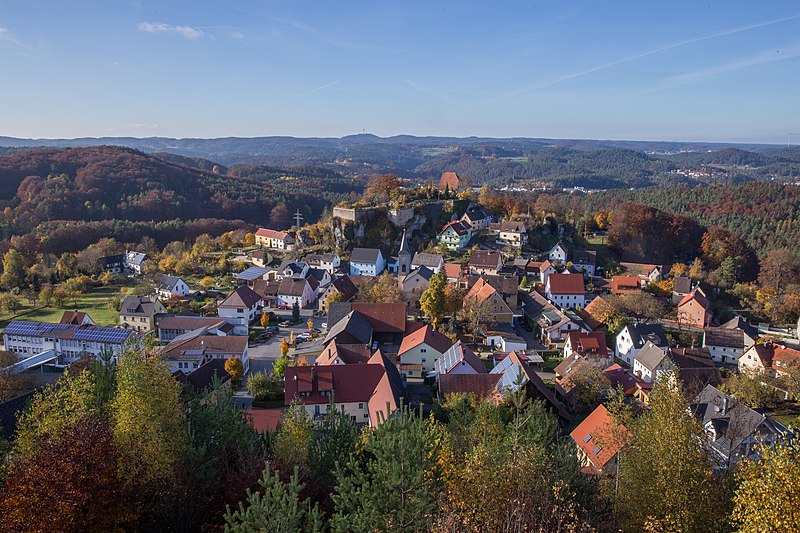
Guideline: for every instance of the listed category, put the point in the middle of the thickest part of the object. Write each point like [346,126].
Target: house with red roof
[625,284]
[771,358]
[599,438]
[368,393]
[694,310]
[545,269]
[336,353]
[274,240]
[565,290]
[621,377]
[421,348]
[485,262]
[589,345]
[455,235]
[499,309]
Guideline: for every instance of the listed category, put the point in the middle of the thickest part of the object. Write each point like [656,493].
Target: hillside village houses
[370,358]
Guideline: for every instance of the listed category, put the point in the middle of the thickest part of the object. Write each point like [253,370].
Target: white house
[558,253]
[585,261]
[650,362]
[510,233]
[329,262]
[240,308]
[414,284]
[455,235]
[545,269]
[274,240]
[479,219]
[565,290]
[172,286]
[188,352]
[632,338]
[420,350]
[297,290]
[725,345]
[366,262]
[135,261]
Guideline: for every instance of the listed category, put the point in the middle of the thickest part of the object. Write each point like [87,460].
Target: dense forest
[766,215]
[100,186]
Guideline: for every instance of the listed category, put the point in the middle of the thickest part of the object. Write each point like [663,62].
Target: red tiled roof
[480,385]
[620,376]
[271,233]
[263,420]
[694,295]
[784,357]
[427,335]
[480,290]
[566,283]
[460,228]
[348,353]
[600,437]
[384,318]
[621,284]
[595,312]
[452,270]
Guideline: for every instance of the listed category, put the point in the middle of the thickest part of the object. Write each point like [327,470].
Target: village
[477,312]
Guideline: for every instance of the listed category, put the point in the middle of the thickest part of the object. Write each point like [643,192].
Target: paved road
[263,354]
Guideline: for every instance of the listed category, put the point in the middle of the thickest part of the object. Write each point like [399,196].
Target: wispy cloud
[765,56]
[312,91]
[160,27]
[661,49]
[237,35]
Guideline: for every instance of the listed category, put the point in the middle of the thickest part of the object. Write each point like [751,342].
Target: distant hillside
[535,162]
[113,183]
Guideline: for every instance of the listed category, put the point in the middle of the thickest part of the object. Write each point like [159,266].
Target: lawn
[95,302]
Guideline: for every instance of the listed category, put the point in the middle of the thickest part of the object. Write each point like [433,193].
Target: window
[361,406]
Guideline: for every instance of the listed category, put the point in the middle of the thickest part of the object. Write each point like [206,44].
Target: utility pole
[298,217]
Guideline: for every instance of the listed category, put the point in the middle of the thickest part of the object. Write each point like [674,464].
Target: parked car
[272,329]
[284,324]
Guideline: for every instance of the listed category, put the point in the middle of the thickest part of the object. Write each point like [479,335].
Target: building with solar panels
[70,342]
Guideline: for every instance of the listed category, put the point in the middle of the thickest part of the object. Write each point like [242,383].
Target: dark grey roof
[355,325]
[168,282]
[138,305]
[424,272]
[648,332]
[111,260]
[296,267]
[364,255]
[584,257]
[739,323]
[724,338]
[732,420]
[337,311]
[681,285]
[317,273]
[10,411]
[203,378]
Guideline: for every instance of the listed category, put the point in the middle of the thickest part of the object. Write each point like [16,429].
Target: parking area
[263,354]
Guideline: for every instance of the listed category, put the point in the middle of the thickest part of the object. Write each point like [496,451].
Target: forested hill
[765,215]
[114,183]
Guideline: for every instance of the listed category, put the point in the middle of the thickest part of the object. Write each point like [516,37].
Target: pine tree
[390,487]
[277,509]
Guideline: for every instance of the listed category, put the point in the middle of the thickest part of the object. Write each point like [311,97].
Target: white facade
[69,350]
[303,300]
[625,350]
[724,354]
[238,316]
[368,268]
[423,355]
[358,412]
[544,273]
[558,254]
[179,289]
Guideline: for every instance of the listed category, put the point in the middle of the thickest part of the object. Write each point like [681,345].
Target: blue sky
[712,71]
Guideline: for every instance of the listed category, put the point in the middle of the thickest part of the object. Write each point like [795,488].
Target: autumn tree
[235,368]
[474,315]
[67,265]
[779,268]
[383,289]
[13,270]
[751,387]
[666,480]
[292,441]
[264,319]
[279,367]
[432,301]
[642,307]
[767,499]
[75,473]
[147,415]
[381,188]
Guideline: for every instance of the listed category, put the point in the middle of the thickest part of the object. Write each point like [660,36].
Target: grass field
[96,303]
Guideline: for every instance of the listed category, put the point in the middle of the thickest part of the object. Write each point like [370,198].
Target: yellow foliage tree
[264,319]
[235,368]
[284,347]
[147,415]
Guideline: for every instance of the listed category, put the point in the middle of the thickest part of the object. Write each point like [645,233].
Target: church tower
[403,258]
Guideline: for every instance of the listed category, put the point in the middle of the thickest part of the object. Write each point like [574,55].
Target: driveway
[263,354]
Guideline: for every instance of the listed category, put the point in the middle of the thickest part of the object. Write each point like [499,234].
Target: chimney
[724,405]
